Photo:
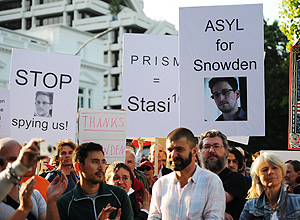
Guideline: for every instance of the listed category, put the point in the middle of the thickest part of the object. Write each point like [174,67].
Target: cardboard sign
[285,155]
[107,128]
[4,113]
[150,84]
[222,47]
[43,92]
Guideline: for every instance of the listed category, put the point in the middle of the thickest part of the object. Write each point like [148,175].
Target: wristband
[12,176]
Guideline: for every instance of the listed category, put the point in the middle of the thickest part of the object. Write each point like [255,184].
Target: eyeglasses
[124,179]
[144,168]
[224,92]
[43,103]
[216,147]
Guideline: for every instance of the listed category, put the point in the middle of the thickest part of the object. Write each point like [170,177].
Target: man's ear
[195,150]
[227,153]
[238,93]
[77,166]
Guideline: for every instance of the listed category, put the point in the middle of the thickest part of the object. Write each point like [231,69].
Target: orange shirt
[40,185]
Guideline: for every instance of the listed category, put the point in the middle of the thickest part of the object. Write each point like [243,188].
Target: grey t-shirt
[39,206]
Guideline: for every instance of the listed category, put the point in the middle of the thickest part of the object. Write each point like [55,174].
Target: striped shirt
[203,197]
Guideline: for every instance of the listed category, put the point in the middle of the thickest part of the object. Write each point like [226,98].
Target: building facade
[92,16]
[58,39]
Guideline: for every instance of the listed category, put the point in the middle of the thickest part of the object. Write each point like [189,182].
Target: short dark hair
[115,167]
[180,133]
[296,166]
[49,94]
[213,133]
[81,152]
[240,158]
[231,81]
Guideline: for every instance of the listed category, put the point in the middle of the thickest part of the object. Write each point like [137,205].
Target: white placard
[239,139]
[43,92]
[107,128]
[217,42]
[4,113]
[150,84]
[284,154]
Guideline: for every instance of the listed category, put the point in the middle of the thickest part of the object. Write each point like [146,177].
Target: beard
[215,165]
[184,162]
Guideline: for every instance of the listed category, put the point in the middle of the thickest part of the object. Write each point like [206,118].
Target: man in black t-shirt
[213,153]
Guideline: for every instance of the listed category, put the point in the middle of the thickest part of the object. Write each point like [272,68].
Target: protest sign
[107,128]
[150,84]
[222,42]
[285,155]
[4,113]
[43,94]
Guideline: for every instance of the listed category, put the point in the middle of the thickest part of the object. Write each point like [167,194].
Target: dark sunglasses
[144,168]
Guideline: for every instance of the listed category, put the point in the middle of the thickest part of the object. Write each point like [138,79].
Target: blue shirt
[258,208]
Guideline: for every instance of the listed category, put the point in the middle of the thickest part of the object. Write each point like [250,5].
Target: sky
[169,9]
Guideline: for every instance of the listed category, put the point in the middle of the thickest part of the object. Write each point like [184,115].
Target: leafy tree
[276,92]
[290,13]
[115,8]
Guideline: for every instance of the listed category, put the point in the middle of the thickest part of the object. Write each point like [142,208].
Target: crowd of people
[193,179]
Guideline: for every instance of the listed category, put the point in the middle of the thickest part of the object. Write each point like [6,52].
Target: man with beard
[92,195]
[225,93]
[213,153]
[189,192]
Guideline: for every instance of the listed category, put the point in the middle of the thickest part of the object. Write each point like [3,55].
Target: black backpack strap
[73,177]
[9,201]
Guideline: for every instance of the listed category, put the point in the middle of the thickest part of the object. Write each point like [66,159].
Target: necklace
[272,209]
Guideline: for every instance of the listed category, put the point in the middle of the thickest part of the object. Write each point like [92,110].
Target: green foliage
[290,14]
[115,7]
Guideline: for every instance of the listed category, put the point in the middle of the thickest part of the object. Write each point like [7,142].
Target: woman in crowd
[273,203]
[119,174]
[292,177]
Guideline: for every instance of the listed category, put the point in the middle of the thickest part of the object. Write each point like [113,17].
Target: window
[90,98]
[115,58]
[80,98]
[115,82]
[105,57]
[105,81]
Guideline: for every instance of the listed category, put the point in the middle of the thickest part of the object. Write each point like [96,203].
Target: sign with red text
[222,69]
[43,95]
[105,127]
[4,113]
[150,84]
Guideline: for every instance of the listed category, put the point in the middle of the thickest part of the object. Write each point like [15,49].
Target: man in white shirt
[190,192]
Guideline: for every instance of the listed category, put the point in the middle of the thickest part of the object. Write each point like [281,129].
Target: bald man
[18,161]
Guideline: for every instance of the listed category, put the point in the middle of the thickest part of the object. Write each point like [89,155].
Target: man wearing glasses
[189,192]
[43,104]
[225,93]
[213,147]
